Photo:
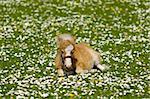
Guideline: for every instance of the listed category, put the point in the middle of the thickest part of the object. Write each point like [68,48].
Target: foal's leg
[102,67]
[60,72]
[58,63]
[79,68]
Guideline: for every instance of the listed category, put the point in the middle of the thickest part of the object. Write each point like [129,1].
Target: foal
[75,58]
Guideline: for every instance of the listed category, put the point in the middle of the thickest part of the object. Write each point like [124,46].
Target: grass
[118,29]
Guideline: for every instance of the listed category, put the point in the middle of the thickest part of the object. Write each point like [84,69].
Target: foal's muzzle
[68,61]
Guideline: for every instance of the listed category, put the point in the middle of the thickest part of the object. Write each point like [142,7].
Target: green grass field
[118,29]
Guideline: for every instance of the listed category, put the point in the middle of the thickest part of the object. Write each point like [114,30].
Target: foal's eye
[62,51]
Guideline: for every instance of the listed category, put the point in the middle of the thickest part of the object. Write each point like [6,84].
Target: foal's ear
[74,38]
[59,39]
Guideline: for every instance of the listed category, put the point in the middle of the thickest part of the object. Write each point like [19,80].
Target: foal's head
[66,43]
[67,54]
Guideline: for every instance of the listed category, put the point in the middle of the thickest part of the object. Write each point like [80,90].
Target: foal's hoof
[60,72]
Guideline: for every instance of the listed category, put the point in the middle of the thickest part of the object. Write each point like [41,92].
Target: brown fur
[85,57]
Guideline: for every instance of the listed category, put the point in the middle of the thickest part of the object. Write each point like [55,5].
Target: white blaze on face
[68,50]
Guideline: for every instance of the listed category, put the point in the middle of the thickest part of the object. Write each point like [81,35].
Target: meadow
[118,29]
